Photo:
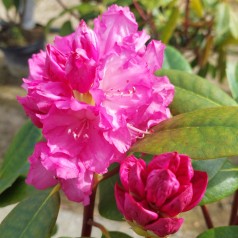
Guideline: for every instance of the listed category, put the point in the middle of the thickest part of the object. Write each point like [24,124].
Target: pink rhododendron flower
[94,92]
[152,196]
[48,169]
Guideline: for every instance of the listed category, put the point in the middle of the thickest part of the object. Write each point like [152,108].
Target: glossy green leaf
[202,134]
[15,160]
[211,166]
[174,60]
[117,234]
[220,232]
[107,204]
[33,217]
[193,92]
[222,185]
[17,192]
[232,75]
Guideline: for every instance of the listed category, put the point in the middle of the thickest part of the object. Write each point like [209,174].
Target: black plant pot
[16,57]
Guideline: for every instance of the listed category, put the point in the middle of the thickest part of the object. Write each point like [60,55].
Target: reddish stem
[207,217]
[140,10]
[233,217]
[186,21]
[88,214]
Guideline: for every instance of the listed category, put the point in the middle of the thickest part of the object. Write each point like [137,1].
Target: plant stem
[67,9]
[110,173]
[101,227]
[186,21]
[207,217]
[233,217]
[140,10]
[88,214]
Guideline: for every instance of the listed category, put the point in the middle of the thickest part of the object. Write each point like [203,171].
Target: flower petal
[199,183]
[181,200]
[165,226]
[38,175]
[135,211]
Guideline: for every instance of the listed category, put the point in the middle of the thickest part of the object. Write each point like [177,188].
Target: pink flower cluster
[93,93]
[152,196]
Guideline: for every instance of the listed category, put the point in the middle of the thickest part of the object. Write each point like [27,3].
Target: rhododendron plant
[95,89]
[152,196]
[107,100]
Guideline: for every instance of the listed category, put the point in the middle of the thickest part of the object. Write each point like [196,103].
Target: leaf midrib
[199,96]
[37,212]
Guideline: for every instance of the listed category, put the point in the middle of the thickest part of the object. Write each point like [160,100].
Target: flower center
[84,97]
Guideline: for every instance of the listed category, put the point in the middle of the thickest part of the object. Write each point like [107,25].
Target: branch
[67,9]
[88,213]
[101,227]
[233,217]
[207,217]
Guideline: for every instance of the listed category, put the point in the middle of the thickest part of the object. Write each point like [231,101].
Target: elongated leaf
[232,75]
[170,26]
[7,4]
[15,160]
[66,28]
[222,19]
[174,60]
[223,184]
[220,232]
[211,166]
[107,205]
[17,192]
[197,7]
[193,92]
[203,134]
[117,234]
[233,22]
[33,217]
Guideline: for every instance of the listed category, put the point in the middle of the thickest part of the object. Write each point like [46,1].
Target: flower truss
[93,93]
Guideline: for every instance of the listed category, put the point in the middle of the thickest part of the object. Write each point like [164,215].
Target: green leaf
[223,179]
[66,28]
[197,7]
[33,217]
[193,92]
[222,185]
[220,232]
[233,22]
[118,2]
[174,60]
[117,234]
[202,134]
[150,5]
[211,166]
[222,19]
[15,160]
[232,76]
[107,205]
[170,26]
[17,192]
[7,4]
